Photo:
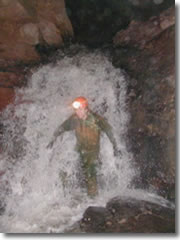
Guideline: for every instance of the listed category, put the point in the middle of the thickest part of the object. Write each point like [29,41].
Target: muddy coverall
[88,143]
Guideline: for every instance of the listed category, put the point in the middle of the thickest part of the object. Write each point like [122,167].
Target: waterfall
[40,188]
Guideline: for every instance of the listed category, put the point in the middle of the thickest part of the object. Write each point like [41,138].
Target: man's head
[80,105]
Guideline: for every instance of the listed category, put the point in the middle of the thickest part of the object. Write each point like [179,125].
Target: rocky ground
[126,215]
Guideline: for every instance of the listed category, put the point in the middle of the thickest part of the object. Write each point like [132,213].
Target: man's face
[81,112]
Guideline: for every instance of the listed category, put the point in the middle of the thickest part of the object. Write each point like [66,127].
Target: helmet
[80,102]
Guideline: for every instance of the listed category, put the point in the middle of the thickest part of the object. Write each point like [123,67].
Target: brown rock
[30,33]
[140,33]
[24,24]
[54,11]
[19,52]
[7,96]
[50,33]
[130,216]
[12,10]
[11,79]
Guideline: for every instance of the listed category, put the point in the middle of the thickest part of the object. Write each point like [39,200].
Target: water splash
[40,187]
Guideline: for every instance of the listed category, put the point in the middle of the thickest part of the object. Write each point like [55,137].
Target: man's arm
[106,127]
[67,125]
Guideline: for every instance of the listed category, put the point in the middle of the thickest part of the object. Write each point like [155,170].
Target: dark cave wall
[96,22]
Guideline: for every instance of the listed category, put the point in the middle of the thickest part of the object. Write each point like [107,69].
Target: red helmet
[80,102]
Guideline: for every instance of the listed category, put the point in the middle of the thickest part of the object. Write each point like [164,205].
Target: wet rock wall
[149,60]
[28,29]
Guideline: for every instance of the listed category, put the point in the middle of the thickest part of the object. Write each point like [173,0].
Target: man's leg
[89,167]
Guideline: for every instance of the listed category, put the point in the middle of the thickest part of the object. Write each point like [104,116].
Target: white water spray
[42,187]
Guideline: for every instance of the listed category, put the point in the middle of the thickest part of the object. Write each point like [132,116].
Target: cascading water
[40,188]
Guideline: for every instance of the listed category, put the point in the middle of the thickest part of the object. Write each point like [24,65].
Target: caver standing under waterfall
[87,126]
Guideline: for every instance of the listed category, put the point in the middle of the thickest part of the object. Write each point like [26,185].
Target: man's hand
[117,152]
[50,145]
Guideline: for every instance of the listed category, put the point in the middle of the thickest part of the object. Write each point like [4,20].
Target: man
[87,126]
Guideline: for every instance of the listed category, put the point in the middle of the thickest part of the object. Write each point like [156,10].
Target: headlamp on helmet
[80,102]
[76,104]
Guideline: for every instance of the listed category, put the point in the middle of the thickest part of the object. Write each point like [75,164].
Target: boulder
[50,33]
[26,24]
[54,11]
[127,215]
[95,219]
[30,33]
[138,34]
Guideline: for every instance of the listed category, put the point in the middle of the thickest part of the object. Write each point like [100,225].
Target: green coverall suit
[88,141]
